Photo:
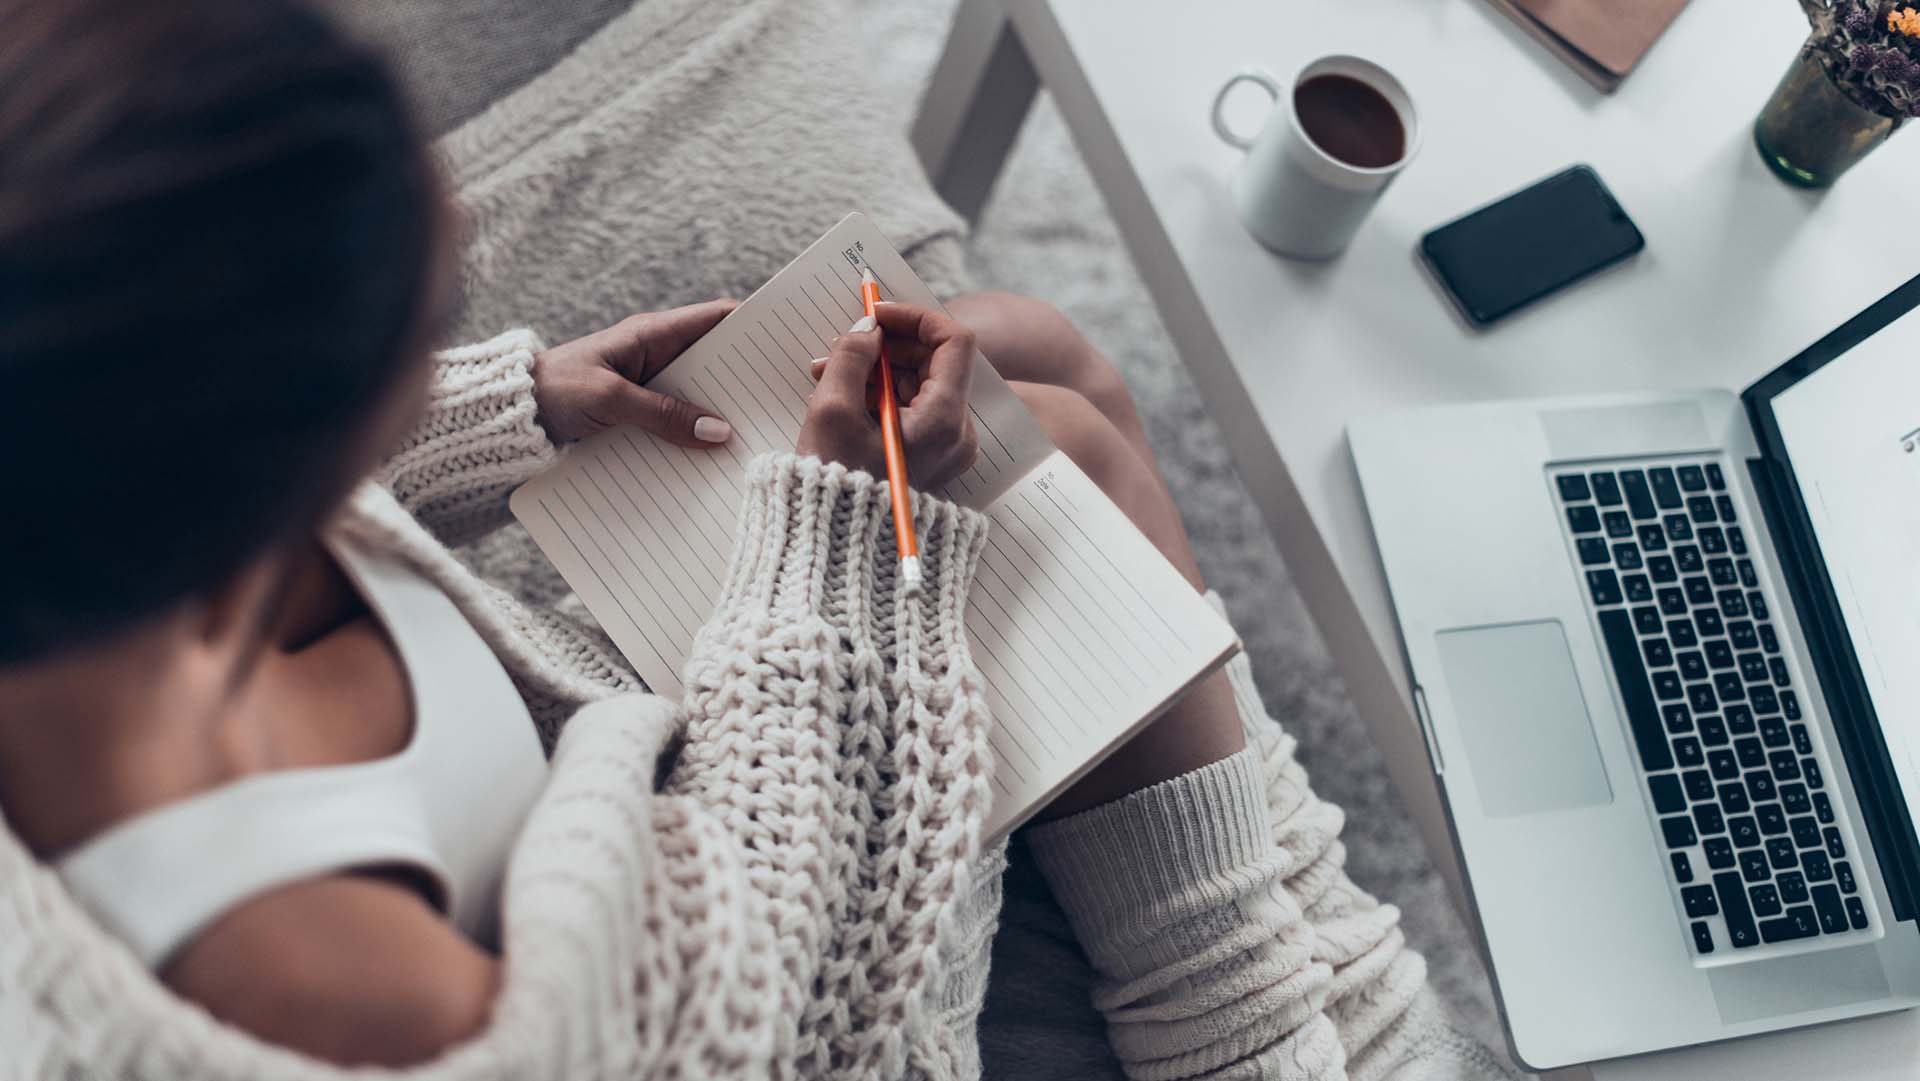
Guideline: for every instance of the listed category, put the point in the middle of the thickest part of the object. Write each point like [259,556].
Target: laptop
[1665,649]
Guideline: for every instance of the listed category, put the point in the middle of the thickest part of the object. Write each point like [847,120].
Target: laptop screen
[1851,429]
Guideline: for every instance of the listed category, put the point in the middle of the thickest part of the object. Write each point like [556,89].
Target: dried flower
[1905,22]
[1871,50]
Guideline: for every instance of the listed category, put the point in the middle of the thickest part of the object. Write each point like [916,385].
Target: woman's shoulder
[353,969]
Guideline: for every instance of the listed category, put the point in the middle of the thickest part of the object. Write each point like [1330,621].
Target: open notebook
[1083,632]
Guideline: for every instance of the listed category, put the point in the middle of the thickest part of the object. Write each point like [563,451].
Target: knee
[1042,345]
[1080,429]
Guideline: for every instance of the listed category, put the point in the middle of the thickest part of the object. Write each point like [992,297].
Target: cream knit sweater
[805,894]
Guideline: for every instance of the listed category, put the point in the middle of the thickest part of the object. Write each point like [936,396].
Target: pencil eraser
[910,570]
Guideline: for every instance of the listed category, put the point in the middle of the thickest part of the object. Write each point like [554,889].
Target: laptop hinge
[1883,805]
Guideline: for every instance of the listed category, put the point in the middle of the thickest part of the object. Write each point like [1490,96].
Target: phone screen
[1515,251]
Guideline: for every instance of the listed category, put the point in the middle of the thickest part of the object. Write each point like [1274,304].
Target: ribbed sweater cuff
[479,438]
[1129,872]
[818,537]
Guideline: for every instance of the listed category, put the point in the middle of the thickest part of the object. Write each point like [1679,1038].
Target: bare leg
[1202,727]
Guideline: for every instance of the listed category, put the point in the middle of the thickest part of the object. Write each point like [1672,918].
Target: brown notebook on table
[1600,39]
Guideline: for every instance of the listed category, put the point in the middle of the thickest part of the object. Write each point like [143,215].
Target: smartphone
[1511,253]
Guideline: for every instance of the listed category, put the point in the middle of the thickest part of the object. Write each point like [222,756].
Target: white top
[449,805]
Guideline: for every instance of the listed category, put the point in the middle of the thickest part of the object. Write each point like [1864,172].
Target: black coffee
[1350,120]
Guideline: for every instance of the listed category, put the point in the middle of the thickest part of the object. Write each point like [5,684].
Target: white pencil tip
[866,275]
[910,570]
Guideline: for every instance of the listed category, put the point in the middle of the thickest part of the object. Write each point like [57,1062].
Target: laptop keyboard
[1754,846]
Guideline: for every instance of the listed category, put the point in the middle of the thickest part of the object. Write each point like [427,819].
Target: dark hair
[217,234]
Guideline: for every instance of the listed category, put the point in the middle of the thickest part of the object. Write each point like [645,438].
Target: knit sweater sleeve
[477,442]
[1229,941]
[836,726]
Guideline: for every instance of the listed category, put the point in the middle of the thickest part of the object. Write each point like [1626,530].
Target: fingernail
[865,324]
[712,430]
[817,363]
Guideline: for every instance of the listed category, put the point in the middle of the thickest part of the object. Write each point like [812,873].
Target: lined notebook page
[1082,630]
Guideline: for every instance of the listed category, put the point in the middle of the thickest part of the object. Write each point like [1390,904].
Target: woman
[267,748]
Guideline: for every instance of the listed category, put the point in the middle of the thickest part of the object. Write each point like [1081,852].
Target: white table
[1740,272]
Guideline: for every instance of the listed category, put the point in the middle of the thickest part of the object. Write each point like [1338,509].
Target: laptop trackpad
[1518,705]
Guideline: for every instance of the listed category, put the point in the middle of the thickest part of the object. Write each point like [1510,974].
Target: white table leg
[974,106]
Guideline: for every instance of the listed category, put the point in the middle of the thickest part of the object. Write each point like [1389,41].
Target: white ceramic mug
[1293,196]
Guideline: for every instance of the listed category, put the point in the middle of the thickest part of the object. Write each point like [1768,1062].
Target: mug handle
[1251,75]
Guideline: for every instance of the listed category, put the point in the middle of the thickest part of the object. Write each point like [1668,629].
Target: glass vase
[1810,132]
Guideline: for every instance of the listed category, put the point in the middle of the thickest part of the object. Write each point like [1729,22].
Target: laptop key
[1626,557]
[1678,831]
[1766,900]
[1724,503]
[1771,819]
[1672,601]
[1733,907]
[1836,848]
[1822,808]
[1593,551]
[1699,786]
[1833,914]
[1733,799]
[1656,652]
[1753,865]
[1687,558]
[1843,875]
[1680,633]
[1786,767]
[1662,569]
[1687,752]
[1692,479]
[1736,540]
[1753,666]
[1719,654]
[1677,718]
[1793,797]
[1713,731]
[1780,853]
[1700,697]
[1652,538]
[1682,868]
[1790,705]
[1678,528]
[1702,937]
[1760,786]
[1802,742]
[1700,509]
[1666,489]
[1709,623]
[1757,604]
[1728,686]
[1636,587]
[1744,832]
[1740,633]
[1763,699]
[1752,754]
[1719,852]
[1699,901]
[1646,620]
[1604,587]
[1618,525]
[1810,771]
[1606,490]
[1739,719]
[1666,685]
[1720,569]
[1732,601]
[1583,519]
[1668,799]
[1706,819]
[1643,717]
[1793,888]
[1712,541]
[1721,764]
[1815,865]
[1777,668]
[1856,916]
[1799,922]
[1699,591]
[1573,487]
[1633,484]
[1714,478]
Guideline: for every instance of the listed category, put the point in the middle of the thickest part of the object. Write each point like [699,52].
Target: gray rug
[1046,233]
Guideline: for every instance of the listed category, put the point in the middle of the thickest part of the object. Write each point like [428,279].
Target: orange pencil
[895,445]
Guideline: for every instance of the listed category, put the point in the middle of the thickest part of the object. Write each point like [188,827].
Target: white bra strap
[157,880]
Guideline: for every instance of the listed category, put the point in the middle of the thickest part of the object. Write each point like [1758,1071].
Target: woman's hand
[932,358]
[593,383]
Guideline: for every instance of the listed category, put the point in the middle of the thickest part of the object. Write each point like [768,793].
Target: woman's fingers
[935,343]
[843,378]
[672,419]
[640,345]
